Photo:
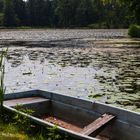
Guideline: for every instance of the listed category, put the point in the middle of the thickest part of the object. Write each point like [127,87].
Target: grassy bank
[11,132]
[10,128]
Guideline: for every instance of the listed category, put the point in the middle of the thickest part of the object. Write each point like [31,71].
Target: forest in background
[65,13]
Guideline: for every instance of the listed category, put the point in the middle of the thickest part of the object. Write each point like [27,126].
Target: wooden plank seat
[27,100]
[98,125]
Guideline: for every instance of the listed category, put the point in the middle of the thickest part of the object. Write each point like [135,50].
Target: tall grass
[2,87]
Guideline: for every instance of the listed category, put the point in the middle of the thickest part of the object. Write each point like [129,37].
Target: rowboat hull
[73,114]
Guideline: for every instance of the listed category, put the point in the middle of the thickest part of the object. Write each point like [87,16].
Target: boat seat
[98,125]
[22,101]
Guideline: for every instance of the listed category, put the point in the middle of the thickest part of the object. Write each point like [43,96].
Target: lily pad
[96,95]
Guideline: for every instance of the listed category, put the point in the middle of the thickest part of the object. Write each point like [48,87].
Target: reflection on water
[83,63]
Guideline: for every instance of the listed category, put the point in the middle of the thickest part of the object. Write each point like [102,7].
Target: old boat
[82,119]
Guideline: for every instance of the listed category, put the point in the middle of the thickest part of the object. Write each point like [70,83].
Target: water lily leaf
[96,95]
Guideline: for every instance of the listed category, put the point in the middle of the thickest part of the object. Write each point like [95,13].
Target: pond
[99,65]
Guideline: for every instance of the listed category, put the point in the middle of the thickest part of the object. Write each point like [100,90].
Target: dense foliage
[134,31]
[66,13]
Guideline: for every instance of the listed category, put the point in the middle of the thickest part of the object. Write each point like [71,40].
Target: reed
[2,86]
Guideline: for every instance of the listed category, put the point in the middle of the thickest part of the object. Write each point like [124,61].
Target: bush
[134,31]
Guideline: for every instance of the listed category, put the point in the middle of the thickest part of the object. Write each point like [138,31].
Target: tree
[39,12]
[20,11]
[134,6]
[65,11]
[115,15]
[70,13]
[1,6]
[9,18]
[47,13]
[84,13]
[31,12]
[1,11]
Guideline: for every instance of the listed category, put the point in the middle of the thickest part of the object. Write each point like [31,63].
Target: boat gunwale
[96,106]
